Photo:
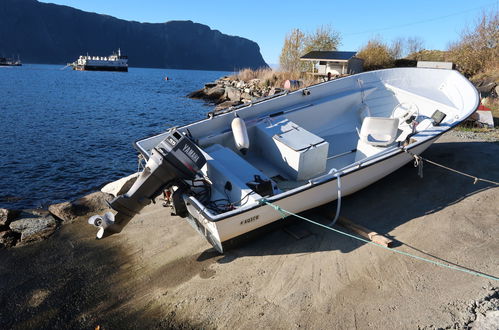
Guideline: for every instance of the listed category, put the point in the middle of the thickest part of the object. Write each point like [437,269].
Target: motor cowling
[173,159]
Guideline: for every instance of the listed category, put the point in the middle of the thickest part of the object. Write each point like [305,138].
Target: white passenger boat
[113,62]
[297,150]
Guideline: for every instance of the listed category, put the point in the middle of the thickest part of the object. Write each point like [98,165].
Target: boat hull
[290,129]
[224,232]
[10,64]
[100,68]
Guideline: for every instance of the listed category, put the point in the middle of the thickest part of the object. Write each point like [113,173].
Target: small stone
[87,205]
[254,82]
[6,216]
[7,239]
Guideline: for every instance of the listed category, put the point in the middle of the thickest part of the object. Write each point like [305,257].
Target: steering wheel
[406,113]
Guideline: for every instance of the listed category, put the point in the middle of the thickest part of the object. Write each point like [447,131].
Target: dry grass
[271,78]
[493,104]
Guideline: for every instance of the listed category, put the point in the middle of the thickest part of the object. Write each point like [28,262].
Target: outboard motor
[173,159]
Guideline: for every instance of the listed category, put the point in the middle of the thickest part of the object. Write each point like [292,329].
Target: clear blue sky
[436,22]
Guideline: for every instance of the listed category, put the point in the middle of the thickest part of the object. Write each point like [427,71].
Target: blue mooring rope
[458,268]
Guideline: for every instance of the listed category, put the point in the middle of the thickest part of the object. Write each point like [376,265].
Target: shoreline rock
[226,92]
[33,226]
[23,227]
[70,211]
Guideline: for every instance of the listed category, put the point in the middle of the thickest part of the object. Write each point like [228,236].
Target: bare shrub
[478,50]
[376,55]
[429,55]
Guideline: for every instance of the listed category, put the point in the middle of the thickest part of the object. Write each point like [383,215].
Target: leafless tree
[293,49]
[478,49]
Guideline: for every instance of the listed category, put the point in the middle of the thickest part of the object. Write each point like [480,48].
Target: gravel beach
[158,273]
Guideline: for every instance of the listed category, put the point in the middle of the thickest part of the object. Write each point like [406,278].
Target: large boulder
[233,94]
[210,85]
[33,227]
[485,86]
[247,96]
[215,94]
[275,90]
[487,320]
[69,211]
[227,104]
[199,94]
[121,186]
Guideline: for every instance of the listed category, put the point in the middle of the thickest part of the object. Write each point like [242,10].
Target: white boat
[113,62]
[298,150]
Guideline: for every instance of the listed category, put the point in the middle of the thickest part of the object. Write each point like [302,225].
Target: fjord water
[66,133]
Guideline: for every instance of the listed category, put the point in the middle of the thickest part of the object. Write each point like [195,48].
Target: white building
[334,62]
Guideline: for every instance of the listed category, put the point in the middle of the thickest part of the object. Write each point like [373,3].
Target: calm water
[65,133]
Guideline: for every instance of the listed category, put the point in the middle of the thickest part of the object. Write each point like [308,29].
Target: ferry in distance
[114,62]
[4,61]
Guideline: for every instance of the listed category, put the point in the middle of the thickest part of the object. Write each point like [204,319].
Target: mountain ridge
[56,34]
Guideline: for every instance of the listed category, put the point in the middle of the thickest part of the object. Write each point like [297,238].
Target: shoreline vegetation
[475,55]
[250,85]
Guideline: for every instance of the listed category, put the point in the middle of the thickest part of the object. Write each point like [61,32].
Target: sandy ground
[160,273]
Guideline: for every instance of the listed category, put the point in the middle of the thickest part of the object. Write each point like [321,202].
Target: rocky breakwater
[228,92]
[22,227]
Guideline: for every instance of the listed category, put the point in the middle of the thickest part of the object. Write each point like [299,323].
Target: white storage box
[299,154]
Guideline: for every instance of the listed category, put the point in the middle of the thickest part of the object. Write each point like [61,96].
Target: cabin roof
[328,55]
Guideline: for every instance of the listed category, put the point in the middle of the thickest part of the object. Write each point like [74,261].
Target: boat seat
[376,134]
[379,131]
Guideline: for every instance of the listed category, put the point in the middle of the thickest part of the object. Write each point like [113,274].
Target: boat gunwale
[347,171]
[350,169]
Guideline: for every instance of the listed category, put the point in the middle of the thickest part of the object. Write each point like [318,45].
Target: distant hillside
[48,33]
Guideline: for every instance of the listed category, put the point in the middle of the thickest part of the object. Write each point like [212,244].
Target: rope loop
[418,162]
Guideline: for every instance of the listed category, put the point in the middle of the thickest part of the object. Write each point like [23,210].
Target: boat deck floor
[341,153]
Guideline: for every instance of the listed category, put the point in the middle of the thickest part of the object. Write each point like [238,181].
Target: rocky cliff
[48,33]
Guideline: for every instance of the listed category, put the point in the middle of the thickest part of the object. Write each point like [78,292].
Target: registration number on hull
[253,218]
